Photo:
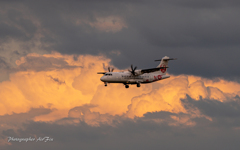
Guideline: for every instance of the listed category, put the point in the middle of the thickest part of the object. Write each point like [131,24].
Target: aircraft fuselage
[128,78]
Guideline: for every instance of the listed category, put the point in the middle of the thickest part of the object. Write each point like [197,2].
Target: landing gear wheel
[126,86]
[105,83]
[138,85]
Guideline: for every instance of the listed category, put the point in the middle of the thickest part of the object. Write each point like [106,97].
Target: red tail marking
[164,69]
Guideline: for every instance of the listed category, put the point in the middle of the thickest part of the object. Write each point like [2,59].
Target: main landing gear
[127,86]
[138,85]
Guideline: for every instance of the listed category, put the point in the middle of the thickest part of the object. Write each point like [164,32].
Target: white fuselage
[127,78]
[138,77]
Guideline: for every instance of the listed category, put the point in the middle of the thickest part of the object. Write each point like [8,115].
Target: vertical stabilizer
[164,63]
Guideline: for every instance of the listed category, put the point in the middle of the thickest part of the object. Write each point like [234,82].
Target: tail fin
[164,63]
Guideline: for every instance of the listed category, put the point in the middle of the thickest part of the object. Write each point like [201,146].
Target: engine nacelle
[138,72]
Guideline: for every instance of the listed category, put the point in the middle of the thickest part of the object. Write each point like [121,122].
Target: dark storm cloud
[224,114]
[204,35]
[13,25]
[154,130]
[214,108]
[7,31]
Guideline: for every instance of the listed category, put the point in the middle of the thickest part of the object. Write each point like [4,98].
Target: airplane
[141,76]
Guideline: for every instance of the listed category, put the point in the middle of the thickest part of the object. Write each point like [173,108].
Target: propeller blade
[110,70]
[135,68]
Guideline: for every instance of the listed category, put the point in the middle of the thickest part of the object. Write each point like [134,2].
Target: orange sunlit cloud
[63,83]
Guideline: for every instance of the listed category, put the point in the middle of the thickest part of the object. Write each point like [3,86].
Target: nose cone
[102,78]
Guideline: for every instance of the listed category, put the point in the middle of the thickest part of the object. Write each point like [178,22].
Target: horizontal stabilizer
[101,72]
[166,59]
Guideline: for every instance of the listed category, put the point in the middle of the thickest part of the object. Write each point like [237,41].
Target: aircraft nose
[102,78]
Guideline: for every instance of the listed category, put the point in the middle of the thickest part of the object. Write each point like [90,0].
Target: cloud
[16,119]
[84,114]
[10,124]
[217,109]
[61,96]
[202,34]
[36,62]
[139,133]
[4,69]
[64,82]
[108,24]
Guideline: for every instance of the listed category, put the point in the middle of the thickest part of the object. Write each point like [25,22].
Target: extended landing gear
[105,83]
[138,85]
[126,86]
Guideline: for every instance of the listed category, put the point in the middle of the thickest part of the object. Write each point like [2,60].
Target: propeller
[133,70]
[110,69]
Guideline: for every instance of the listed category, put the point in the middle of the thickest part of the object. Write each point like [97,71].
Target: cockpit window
[108,74]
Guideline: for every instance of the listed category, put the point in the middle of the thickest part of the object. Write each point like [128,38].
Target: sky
[51,51]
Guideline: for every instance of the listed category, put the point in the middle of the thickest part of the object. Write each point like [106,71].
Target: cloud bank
[61,96]
[50,52]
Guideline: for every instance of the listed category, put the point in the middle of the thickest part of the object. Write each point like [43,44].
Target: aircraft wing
[152,69]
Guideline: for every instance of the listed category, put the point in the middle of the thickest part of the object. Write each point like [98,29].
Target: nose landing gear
[105,83]
[126,86]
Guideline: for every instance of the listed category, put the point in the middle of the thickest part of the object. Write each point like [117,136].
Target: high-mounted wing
[101,72]
[152,69]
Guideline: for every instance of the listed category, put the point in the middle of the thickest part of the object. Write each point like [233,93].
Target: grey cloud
[19,118]
[153,130]
[57,80]
[13,25]
[3,63]
[42,63]
[204,35]
[11,123]
[214,108]
[84,114]
[17,18]
[7,31]
[136,134]
[224,114]
[4,69]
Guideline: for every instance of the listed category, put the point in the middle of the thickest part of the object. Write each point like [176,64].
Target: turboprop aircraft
[141,76]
